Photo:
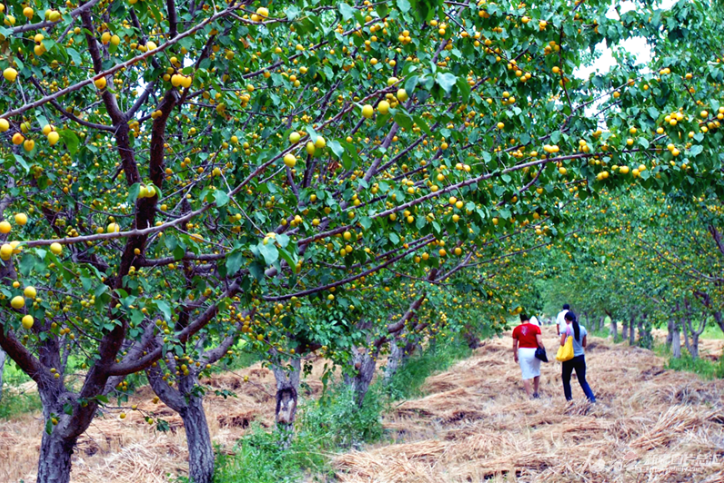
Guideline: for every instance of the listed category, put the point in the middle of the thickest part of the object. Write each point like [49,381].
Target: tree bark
[364,371]
[288,379]
[632,331]
[614,329]
[55,458]
[198,440]
[601,322]
[675,341]
[670,333]
[394,360]
[2,368]
[624,330]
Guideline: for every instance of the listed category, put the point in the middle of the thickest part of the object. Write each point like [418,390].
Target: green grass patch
[331,424]
[13,403]
[712,332]
[703,367]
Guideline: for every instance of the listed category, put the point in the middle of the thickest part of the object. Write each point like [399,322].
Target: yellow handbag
[565,352]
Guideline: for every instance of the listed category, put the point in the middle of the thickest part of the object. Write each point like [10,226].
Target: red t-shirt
[525,333]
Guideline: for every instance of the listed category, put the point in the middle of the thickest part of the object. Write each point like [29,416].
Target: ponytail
[574,322]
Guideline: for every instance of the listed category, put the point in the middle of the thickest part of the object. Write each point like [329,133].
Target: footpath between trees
[475,424]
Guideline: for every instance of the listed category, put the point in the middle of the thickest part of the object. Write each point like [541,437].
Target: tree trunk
[670,333]
[675,341]
[364,371]
[624,330]
[2,368]
[394,360]
[632,331]
[288,380]
[198,440]
[614,329]
[601,322]
[694,348]
[55,458]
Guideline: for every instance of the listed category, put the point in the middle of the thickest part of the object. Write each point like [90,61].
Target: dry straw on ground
[475,424]
[131,451]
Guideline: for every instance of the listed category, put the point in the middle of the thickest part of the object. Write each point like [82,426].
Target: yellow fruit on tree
[294,137]
[290,160]
[56,248]
[30,292]
[18,139]
[18,302]
[21,219]
[28,322]
[4,125]
[53,138]
[100,83]
[5,227]
[402,95]
[383,107]
[113,228]
[368,111]
[28,145]
[311,149]
[6,251]
[320,142]
[10,74]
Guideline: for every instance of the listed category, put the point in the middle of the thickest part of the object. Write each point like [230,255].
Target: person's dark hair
[574,322]
[524,318]
[566,307]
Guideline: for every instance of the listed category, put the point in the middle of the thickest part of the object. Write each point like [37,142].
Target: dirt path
[476,424]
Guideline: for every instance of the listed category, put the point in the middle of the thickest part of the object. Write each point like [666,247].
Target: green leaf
[22,163]
[403,5]
[269,252]
[336,148]
[133,192]
[446,81]
[234,261]
[70,139]
[165,309]
[346,11]
[403,119]
[221,198]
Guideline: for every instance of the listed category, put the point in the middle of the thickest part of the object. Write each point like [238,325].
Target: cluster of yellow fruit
[262,13]
[178,80]
[51,134]
[18,302]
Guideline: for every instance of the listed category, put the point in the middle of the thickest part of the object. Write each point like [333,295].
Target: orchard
[347,179]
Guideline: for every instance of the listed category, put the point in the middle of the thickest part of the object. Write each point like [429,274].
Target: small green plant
[703,367]
[15,403]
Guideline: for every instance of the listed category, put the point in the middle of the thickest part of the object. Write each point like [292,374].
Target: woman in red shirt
[526,339]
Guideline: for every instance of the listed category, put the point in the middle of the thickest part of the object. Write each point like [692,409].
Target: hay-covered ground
[476,424]
[131,451]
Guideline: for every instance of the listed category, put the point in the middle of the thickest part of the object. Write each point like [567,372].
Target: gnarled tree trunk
[55,456]
[198,440]
[288,378]
[675,340]
[363,372]
[614,329]
[188,403]
[2,368]
[624,330]
[632,331]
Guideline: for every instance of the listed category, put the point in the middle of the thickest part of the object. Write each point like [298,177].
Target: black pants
[579,364]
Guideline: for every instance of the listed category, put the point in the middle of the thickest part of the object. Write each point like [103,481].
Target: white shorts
[529,363]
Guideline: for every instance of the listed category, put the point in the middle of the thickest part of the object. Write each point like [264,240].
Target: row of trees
[180,175]
[652,262]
